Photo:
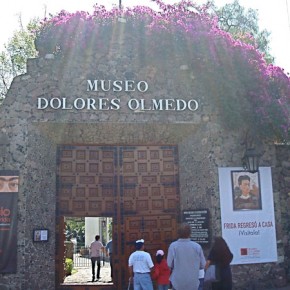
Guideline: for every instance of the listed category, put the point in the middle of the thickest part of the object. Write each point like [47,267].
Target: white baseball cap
[160,252]
[141,241]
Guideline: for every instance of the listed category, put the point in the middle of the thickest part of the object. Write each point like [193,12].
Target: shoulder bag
[210,274]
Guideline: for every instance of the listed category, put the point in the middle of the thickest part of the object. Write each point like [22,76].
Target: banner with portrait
[247,214]
[9,181]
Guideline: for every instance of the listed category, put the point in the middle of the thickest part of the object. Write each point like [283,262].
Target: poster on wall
[40,235]
[247,214]
[9,181]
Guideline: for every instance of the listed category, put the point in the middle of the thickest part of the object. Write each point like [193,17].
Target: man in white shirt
[140,265]
[96,248]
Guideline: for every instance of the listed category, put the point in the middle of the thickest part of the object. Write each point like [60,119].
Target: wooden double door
[138,186]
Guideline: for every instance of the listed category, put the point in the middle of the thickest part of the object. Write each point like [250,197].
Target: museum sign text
[103,103]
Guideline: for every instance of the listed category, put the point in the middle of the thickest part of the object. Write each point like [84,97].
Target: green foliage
[75,224]
[75,228]
[242,24]
[110,228]
[5,74]
[13,59]
[68,266]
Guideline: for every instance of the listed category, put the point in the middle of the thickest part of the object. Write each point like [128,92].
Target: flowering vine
[235,72]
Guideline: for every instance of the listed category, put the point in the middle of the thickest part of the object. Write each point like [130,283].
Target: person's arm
[170,259]
[202,259]
[131,270]
[107,249]
[208,262]
[156,272]
[103,249]
[150,262]
[210,259]
[130,273]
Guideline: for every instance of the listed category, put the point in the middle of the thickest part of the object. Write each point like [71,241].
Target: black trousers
[94,260]
[111,264]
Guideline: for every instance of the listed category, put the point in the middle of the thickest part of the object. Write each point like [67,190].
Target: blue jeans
[201,282]
[142,281]
[163,287]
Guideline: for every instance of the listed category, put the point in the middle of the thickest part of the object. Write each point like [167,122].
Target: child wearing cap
[161,271]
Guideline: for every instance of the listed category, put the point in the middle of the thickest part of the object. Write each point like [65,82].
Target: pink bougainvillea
[227,65]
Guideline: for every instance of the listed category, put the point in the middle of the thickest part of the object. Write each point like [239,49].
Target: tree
[75,228]
[18,49]
[242,24]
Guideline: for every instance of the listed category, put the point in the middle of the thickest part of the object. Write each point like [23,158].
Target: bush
[68,266]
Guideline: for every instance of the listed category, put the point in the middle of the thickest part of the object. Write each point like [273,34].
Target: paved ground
[283,288]
[84,276]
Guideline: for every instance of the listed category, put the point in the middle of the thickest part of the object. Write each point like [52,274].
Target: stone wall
[29,137]
[282,207]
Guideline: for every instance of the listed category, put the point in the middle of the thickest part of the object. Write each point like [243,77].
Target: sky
[273,16]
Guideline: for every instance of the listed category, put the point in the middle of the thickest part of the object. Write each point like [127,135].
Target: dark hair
[221,253]
[159,258]
[97,237]
[138,246]
[243,177]
[184,231]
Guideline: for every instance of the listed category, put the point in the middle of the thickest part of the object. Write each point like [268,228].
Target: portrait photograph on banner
[246,190]
[9,186]
[247,214]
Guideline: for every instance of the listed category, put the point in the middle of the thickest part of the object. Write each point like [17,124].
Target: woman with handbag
[221,256]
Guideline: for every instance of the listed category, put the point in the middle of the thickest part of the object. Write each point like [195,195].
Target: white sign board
[247,215]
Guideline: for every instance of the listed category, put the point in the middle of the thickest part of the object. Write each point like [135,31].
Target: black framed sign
[40,235]
[199,222]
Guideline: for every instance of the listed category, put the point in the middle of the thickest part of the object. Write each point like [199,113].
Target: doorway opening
[136,186]
[79,233]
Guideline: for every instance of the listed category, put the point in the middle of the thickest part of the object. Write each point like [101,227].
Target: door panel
[149,180]
[87,180]
[137,185]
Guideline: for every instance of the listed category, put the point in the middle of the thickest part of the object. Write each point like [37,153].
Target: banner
[9,181]
[247,215]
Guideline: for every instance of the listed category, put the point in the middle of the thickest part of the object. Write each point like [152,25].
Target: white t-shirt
[201,274]
[141,262]
[95,249]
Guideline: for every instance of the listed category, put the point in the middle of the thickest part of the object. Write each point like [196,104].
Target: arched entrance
[138,186]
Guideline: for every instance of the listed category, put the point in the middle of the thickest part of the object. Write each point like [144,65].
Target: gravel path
[84,276]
